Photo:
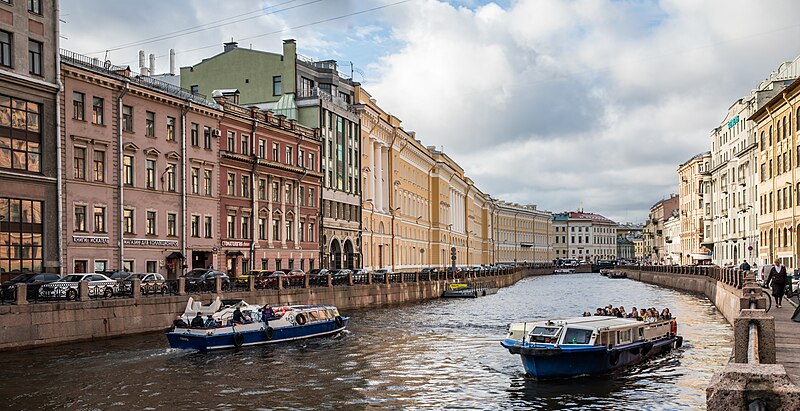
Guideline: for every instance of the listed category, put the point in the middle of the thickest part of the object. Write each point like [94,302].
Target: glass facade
[20,235]
[20,135]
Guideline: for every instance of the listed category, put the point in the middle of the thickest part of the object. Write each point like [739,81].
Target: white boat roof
[595,322]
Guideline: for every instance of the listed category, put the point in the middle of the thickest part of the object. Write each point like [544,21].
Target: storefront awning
[236,253]
[174,255]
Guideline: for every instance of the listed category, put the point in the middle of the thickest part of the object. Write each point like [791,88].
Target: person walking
[745,266]
[777,281]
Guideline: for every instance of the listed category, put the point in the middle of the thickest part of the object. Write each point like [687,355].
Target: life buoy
[238,339]
[339,321]
[300,319]
[673,327]
[269,333]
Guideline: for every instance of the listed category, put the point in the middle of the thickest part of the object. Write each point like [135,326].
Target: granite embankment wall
[32,325]
[724,296]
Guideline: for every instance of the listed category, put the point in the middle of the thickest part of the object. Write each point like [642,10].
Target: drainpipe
[253,203]
[59,160]
[430,215]
[184,161]
[120,179]
[772,144]
[391,189]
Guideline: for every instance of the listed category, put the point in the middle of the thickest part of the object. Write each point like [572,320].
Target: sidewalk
[787,339]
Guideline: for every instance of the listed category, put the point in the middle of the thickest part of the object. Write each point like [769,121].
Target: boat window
[641,332]
[330,313]
[313,316]
[577,336]
[624,336]
[323,314]
[545,331]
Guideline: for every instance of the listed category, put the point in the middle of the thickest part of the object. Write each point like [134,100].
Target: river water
[431,355]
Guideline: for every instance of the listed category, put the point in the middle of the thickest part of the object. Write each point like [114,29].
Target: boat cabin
[596,330]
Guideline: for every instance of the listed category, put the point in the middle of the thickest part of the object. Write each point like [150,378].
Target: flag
[790,228]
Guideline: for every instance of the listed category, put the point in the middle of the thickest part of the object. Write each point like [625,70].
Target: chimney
[152,64]
[172,61]
[141,61]
[229,45]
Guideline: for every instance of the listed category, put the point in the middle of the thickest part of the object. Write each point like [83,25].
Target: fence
[731,276]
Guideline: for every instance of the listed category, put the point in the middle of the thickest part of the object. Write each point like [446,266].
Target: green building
[316,95]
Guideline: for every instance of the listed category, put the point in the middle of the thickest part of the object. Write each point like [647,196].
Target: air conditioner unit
[216,133]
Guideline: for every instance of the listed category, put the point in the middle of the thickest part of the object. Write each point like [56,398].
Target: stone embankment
[30,325]
[752,380]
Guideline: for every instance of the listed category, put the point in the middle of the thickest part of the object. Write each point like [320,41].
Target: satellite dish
[107,64]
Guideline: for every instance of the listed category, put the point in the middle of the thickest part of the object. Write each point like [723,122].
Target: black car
[318,276]
[204,279]
[118,275]
[33,281]
[340,276]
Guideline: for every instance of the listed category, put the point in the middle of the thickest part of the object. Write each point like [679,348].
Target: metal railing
[731,276]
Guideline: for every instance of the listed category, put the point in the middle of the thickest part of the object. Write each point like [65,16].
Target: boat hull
[469,292]
[249,335]
[545,361]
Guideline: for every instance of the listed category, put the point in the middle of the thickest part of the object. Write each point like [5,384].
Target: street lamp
[371,228]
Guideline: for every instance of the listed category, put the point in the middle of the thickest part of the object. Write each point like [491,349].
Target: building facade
[523,233]
[589,237]
[691,176]
[30,216]
[140,163]
[653,232]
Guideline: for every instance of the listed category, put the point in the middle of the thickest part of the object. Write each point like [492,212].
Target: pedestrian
[197,321]
[745,266]
[777,281]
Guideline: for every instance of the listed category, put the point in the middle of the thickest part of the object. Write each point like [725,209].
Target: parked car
[340,276]
[151,283]
[379,275]
[244,279]
[33,281]
[270,280]
[318,276]
[117,275]
[204,279]
[68,287]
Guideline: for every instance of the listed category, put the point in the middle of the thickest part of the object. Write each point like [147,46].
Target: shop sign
[150,242]
[733,122]
[89,239]
[226,243]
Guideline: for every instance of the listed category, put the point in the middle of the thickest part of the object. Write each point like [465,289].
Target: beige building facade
[691,176]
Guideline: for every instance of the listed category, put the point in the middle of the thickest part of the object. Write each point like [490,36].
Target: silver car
[68,287]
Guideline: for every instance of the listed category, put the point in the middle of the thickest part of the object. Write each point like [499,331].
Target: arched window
[784,126]
[784,237]
[763,141]
[770,136]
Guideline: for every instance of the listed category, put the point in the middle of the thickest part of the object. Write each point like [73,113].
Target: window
[290,231]
[245,144]
[302,196]
[311,197]
[99,165]
[288,193]
[150,174]
[231,141]
[207,181]
[170,128]
[231,226]
[5,48]
[79,163]
[195,135]
[172,225]
[80,218]
[127,119]
[151,223]
[207,138]
[262,229]
[127,221]
[276,232]
[150,124]
[262,148]
[127,170]
[35,57]
[300,156]
[311,161]
[170,172]
[35,6]
[231,184]
[19,134]
[262,189]
[21,234]
[311,236]
[276,86]
[245,186]
[97,110]
[289,155]
[195,180]
[195,226]
[275,198]
[208,227]
[99,219]
[301,232]
[275,148]
[78,100]
[245,227]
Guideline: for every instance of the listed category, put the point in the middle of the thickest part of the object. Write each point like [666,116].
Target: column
[296,226]
[378,172]
[270,202]
[371,176]
[282,225]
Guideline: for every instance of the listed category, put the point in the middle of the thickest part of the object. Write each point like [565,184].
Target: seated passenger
[238,317]
[634,313]
[210,322]
[197,321]
[179,322]
[599,311]
[665,314]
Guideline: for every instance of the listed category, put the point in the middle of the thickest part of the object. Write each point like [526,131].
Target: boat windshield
[577,336]
[545,331]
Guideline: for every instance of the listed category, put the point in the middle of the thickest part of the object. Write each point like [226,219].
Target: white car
[69,286]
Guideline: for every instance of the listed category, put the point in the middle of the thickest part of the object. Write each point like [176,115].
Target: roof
[577,215]
[778,97]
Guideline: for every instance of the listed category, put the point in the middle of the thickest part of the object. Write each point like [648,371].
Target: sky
[564,104]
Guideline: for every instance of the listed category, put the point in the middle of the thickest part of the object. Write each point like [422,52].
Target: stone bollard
[22,294]
[218,285]
[765,324]
[136,288]
[739,385]
[83,291]
[330,280]
[369,278]
[416,277]
[386,278]
[280,282]
[182,286]
[350,278]
[305,281]
[251,283]
[402,277]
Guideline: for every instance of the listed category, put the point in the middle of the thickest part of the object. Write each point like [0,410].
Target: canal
[431,355]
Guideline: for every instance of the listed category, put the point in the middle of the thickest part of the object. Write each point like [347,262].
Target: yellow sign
[458,286]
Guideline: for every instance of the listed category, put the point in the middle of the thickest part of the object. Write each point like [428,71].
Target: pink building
[140,172]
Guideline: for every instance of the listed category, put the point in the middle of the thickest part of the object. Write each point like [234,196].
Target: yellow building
[523,233]
[776,124]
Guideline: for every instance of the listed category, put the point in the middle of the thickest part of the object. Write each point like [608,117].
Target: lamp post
[371,229]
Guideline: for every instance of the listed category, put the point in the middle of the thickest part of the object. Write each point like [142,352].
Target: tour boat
[292,322]
[617,274]
[467,290]
[571,347]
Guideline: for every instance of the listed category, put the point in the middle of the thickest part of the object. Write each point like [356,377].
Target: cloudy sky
[563,104]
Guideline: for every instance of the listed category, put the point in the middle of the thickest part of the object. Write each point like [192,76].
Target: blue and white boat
[571,347]
[292,322]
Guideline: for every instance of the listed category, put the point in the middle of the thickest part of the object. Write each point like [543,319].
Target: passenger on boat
[266,314]
[587,314]
[210,322]
[634,313]
[599,311]
[238,317]
[179,322]
[665,314]
[197,321]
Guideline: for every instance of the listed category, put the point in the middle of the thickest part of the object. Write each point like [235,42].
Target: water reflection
[431,355]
